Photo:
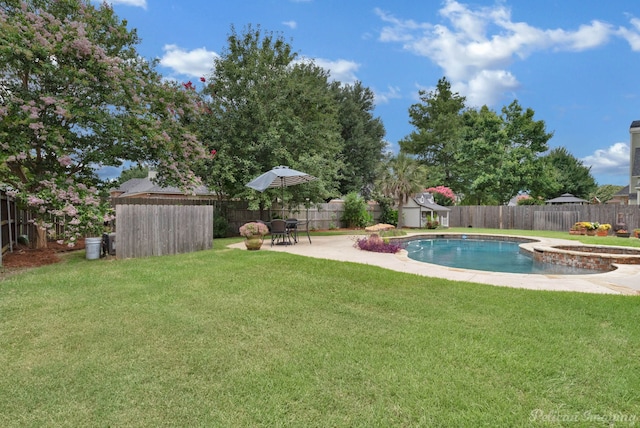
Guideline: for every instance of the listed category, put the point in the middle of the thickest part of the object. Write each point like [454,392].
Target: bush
[528,200]
[387,214]
[220,226]
[355,211]
[378,245]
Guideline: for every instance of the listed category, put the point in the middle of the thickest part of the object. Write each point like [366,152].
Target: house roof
[138,186]
[426,200]
[635,124]
[623,192]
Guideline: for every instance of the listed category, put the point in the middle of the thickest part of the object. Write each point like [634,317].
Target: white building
[421,209]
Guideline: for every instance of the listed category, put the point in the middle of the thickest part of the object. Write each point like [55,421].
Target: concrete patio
[624,280]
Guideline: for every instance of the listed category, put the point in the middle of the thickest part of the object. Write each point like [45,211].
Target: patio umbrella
[280,176]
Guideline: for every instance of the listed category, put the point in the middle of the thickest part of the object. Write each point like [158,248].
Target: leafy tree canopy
[267,109]
[485,156]
[438,135]
[363,136]
[606,192]
[568,174]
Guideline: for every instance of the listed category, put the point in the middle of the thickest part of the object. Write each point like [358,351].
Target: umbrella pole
[282,185]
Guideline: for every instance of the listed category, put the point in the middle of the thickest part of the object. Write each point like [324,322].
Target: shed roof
[426,200]
[567,198]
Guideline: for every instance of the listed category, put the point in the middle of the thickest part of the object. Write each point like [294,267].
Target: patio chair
[299,228]
[280,233]
[292,227]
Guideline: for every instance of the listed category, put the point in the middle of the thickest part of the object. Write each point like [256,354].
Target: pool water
[490,255]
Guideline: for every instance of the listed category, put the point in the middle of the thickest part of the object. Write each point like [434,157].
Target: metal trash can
[109,244]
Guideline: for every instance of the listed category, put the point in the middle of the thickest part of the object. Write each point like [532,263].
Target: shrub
[355,211]
[388,215]
[220,226]
[378,245]
[528,200]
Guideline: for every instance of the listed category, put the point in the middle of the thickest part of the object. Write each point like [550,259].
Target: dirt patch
[24,257]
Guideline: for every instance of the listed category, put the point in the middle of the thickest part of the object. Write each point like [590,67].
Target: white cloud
[631,35]
[194,63]
[487,87]
[291,24]
[475,45]
[137,3]
[392,92]
[341,70]
[613,160]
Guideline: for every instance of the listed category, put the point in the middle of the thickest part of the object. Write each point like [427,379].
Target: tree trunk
[400,215]
[41,237]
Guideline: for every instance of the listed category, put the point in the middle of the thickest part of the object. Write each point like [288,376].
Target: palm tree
[402,177]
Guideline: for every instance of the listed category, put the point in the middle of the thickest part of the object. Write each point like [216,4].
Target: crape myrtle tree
[265,110]
[77,96]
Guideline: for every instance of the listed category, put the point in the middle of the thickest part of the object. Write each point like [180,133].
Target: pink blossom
[70,210]
[65,160]
[34,201]
[48,100]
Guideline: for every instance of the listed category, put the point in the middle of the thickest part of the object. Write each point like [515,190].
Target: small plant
[604,226]
[377,244]
[253,229]
[587,225]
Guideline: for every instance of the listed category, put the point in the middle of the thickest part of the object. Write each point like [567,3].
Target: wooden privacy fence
[321,216]
[14,223]
[543,217]
[156,230]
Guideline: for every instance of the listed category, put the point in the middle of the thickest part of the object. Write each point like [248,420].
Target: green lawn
[237,338]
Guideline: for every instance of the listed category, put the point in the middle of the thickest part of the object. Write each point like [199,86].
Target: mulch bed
[26,257]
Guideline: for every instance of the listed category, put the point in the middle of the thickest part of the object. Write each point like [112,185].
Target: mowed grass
[237,338]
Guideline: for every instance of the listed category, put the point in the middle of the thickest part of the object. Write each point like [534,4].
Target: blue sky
[575,63]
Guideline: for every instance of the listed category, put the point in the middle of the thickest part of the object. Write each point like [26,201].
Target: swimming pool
[486,255]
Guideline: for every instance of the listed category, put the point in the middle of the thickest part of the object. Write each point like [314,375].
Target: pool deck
[624,280]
